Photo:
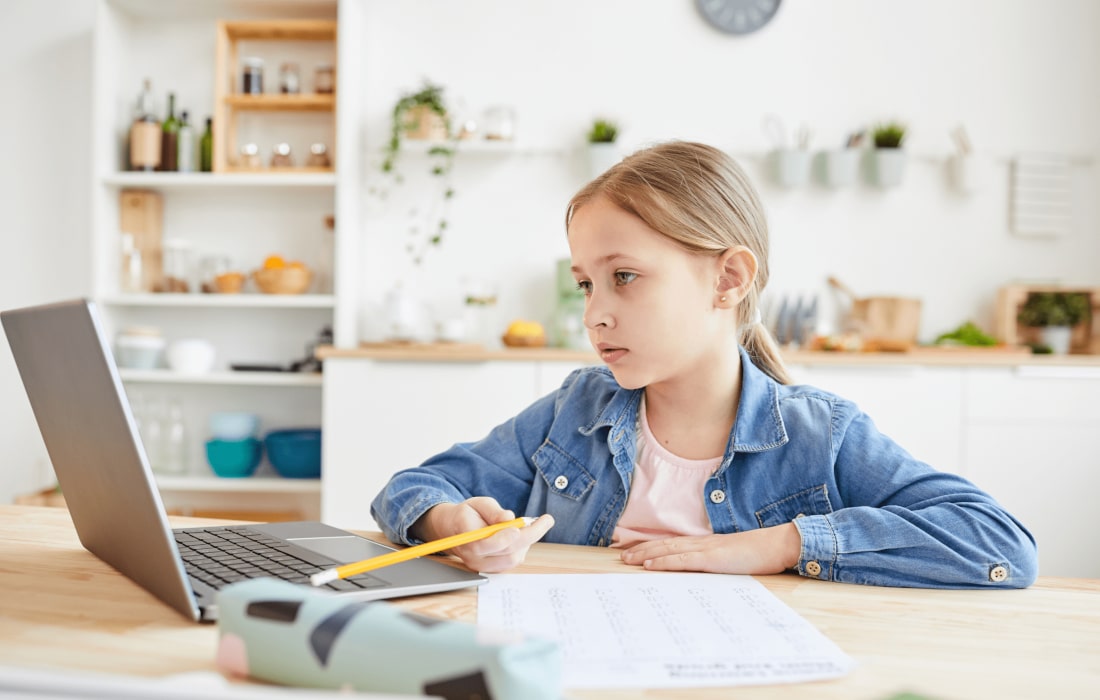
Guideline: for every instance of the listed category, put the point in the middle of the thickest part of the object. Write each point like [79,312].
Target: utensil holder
[790,167]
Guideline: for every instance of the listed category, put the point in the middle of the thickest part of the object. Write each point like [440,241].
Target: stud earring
[721,298]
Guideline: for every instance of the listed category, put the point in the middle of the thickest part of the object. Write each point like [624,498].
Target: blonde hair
[699,197]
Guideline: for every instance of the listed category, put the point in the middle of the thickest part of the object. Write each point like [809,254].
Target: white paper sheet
[662,630]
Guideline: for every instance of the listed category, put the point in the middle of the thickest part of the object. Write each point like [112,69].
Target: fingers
[505,549]
[489,510]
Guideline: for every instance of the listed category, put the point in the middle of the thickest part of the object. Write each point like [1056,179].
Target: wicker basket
[283,280]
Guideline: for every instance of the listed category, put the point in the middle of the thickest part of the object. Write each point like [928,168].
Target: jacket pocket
[811,501]
[564,475]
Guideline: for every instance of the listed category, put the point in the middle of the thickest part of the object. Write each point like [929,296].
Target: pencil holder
[294,635]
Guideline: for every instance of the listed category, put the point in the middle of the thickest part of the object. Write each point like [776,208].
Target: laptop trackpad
[343,549]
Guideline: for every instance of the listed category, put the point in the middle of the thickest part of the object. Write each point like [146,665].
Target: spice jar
[252,76]
[280,156]
[324,79]
[178,267]
[250,156]
[318,156]
[288,79]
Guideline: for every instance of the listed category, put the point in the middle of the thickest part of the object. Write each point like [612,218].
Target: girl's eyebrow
[605,260]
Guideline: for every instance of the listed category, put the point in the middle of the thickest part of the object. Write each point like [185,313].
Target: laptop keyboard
[223,555]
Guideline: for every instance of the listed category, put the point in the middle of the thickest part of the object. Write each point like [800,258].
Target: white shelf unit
[244,216]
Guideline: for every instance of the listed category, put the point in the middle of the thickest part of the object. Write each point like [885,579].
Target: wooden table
[60,607]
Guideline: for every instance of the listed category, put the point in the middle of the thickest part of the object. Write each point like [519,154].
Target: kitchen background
[1022,77]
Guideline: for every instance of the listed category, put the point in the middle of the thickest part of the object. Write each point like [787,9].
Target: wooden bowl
[283,280]
[229,283]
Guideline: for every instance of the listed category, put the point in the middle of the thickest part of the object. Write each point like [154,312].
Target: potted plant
[1055,314]
[602,150]
[887,157]
[423,116]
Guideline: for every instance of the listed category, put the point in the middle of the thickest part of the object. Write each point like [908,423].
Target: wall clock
[738,16]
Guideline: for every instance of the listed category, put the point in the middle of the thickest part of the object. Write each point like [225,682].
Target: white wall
[45,71]
[1022,75]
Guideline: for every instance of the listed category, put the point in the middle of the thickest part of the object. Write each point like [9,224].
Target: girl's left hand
[769,550]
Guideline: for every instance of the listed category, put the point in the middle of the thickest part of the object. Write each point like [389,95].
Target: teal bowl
[295,453]
[234,458]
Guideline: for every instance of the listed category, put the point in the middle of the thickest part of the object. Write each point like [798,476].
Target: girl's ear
[736,275]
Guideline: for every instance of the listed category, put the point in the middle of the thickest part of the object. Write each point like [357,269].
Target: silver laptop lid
[78,400]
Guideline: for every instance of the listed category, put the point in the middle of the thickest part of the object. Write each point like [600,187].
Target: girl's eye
[585,287]
[622,277]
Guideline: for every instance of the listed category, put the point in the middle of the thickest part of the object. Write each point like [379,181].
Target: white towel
[1041,195]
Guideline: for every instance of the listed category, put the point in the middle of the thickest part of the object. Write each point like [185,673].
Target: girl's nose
[597,314]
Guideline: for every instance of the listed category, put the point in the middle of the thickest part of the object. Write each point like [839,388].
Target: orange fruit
[274,262]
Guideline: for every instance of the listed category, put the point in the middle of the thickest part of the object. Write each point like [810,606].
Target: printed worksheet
[661,630]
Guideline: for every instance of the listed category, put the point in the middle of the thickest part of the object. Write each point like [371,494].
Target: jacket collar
[759,425]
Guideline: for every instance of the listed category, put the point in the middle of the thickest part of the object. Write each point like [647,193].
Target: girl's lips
[611,355]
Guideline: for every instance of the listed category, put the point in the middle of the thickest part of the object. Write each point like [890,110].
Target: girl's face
[651,308]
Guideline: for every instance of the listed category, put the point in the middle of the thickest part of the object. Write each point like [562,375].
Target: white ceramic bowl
[138,349]
[233,425]
[191,356]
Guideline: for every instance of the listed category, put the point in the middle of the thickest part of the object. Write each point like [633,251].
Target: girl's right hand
[499,552]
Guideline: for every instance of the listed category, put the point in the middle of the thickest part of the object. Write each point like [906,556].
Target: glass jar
[499,123]
[250,156]
[318,156]
[252,76]
[178,267]
[280,156]
[289,84]
[324,79]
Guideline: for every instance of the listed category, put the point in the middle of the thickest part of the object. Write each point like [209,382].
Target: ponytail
[764,352]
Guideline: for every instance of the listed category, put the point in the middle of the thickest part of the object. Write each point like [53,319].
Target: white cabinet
[919,407]
[384,416]
[242,216]
[1032,439]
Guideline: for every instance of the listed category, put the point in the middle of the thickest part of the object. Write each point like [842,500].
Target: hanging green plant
[423,116]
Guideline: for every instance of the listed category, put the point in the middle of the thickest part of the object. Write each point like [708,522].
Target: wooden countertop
[64,609]
[943,357]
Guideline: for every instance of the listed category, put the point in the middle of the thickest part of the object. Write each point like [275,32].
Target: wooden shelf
[282,103]
[256,484]
[229,104]
[231,378]
[242,178]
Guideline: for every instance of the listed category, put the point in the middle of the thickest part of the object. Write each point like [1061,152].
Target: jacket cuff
[819,549]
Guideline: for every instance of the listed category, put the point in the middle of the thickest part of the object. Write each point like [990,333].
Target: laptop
[80,405]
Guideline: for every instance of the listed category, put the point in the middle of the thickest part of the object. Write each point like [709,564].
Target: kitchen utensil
[891,320]
[234,458]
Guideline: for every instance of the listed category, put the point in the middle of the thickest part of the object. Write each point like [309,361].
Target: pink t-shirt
[666,495]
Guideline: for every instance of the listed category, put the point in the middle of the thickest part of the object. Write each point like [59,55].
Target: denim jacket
[867,511]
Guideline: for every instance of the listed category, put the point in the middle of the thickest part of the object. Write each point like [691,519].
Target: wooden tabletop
[60,607]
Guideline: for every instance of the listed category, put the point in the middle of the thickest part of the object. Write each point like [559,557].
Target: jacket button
[561,482]
[813,568]
[717,496]
[998,574]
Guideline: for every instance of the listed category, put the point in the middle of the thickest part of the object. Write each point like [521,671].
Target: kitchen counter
[943,357]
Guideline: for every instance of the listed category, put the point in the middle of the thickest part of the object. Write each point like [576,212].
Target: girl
[691,450]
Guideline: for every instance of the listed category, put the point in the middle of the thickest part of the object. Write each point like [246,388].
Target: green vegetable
[966,334]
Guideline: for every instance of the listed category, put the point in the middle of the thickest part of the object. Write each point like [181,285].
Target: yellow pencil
[359,567]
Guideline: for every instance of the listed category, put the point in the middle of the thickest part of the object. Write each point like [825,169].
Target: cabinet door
[1032,442]
[920,408]
[381,417]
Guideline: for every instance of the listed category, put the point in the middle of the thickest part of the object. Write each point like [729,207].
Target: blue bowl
[295,453]
[234,458]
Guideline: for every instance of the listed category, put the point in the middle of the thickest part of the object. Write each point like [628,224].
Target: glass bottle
[145,133]
[169,142]
[175,440]
[280,156]
[324,79]
[152,433]
[130,281]
[185,158]
[206,147]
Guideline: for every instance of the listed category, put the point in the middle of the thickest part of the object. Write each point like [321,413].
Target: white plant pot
[887,166]
[840,168]
[791,167]
[1057,338]
[602,156]
[963,173]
